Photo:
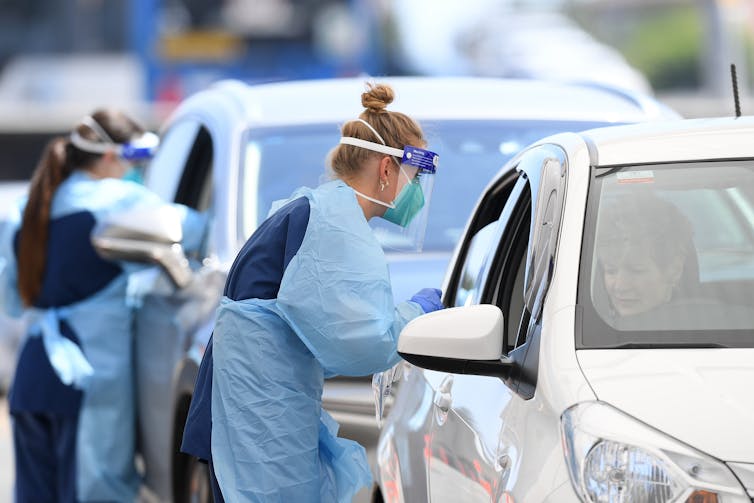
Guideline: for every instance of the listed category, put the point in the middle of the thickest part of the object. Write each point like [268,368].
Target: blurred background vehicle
[500,40]
[60,59]
[543,379]
[233,149]
[11,329]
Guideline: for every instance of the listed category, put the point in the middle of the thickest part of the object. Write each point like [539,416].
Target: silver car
[234,148]
[11,329]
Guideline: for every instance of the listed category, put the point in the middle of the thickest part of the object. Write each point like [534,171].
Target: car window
[668,256]
[195,186]
[545,166]
[526,255]
[505,283]
[473,255]
[469,283]
[490,260]
[278,160]
[514,306]
[164,171]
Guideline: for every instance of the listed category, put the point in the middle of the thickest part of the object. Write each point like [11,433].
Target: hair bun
[377,97]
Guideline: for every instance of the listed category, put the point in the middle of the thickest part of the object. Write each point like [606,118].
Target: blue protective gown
[308,297]
[73,385]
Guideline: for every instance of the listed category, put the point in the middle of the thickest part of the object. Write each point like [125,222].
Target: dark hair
[396,128]
[59,159]
[638,216]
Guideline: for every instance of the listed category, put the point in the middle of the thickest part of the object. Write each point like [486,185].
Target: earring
[382,186]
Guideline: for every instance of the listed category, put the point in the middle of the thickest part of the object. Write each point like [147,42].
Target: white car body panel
[695,395]
[665,141]
[525,99]
[485,443]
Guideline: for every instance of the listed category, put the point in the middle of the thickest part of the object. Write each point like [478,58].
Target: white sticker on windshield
[645,176]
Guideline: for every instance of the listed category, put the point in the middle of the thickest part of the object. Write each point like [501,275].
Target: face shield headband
[425,161]
[139,149]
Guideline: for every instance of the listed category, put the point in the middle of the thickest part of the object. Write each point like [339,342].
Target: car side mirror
[147,235]
[459,340]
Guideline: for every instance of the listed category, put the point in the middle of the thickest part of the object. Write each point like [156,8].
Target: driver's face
[635,282]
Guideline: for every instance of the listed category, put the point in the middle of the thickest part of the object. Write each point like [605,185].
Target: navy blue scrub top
[256,274]
[73,272]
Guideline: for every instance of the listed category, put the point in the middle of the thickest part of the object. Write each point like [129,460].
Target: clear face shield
[409,211]
[137,152]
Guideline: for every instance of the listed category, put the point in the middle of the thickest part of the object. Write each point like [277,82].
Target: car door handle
[443,400]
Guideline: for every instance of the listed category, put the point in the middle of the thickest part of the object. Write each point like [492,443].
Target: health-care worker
[72,396]
[309,297]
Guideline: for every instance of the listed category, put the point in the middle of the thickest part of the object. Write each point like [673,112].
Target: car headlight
[615,458]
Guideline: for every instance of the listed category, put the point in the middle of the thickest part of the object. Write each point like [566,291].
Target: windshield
[669,257]
[277,161]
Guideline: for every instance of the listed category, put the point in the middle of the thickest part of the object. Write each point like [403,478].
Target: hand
[429,299]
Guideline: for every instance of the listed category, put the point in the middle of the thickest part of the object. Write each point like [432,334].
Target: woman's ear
[385,166]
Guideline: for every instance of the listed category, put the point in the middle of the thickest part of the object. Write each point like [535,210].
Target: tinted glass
[276,161]
[669,257]
[470,282]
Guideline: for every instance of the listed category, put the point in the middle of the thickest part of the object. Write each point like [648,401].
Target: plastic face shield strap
[138,149]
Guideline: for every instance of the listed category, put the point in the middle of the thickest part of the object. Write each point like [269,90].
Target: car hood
[410,272]
[702,397]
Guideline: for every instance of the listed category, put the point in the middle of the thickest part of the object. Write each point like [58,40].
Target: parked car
[234,148]
[11,329]
[598,345]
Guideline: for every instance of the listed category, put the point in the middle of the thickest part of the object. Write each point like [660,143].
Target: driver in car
[643,246]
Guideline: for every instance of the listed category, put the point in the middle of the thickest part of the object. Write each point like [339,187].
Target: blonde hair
[396,128]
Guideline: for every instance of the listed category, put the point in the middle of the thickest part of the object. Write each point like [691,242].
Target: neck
[370,208]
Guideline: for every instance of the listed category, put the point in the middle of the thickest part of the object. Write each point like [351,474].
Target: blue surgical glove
[429,299]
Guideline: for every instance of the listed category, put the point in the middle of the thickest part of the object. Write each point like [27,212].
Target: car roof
[428,98]
[672,141]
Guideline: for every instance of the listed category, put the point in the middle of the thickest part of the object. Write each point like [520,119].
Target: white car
[600,343]
[234,148]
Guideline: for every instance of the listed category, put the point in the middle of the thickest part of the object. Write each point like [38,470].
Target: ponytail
[58,161]
[52,170]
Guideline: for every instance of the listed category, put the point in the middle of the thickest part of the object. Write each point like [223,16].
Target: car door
[173,324]
[507,260]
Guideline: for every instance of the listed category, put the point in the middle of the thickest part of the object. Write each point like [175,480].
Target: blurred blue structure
[180,46]
[186,45]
